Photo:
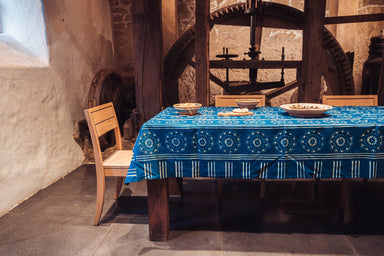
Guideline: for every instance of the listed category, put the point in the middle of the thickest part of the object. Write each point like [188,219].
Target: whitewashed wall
[40,107]
[24,21]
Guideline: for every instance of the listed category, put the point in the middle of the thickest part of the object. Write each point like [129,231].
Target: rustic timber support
[313,28]
[270,64]
[147,38]
[354,18]
[158,210]
[202,51]
[380,88]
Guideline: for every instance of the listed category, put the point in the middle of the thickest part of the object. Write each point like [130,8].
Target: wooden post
[313,28]
[258,34]
[147,38]
[380,87]
[202,51]
[158,209]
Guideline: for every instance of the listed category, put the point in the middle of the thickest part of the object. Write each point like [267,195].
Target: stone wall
[40,107]
[237,40]
[122,36]
[364,32]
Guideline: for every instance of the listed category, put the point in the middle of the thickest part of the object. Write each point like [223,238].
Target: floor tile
[55,240]
[58,220]
[294,243]
[133,239]
[367,245]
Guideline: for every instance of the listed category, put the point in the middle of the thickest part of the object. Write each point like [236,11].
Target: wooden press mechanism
[254,9]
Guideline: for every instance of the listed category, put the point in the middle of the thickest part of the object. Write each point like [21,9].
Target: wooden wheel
[335,66]
[109,86]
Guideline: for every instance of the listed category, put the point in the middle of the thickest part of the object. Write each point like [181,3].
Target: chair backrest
[102,119]
[230,100]
[350,100]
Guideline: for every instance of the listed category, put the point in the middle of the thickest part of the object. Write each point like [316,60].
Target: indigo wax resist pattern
[347,142]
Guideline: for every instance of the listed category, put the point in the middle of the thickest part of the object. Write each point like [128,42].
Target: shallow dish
[306,109]
[247,103]
[187,109]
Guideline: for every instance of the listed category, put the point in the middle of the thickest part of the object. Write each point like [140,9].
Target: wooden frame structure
[148,47]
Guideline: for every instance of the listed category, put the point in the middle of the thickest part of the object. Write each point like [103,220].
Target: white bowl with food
[187,109]
[306,109]
[247,103]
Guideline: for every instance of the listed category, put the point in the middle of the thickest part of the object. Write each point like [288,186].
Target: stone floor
[58,220]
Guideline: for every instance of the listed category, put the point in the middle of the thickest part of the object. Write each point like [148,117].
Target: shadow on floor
[58,220]
[287,208]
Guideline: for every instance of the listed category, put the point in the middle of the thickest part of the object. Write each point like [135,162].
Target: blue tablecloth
[347,142]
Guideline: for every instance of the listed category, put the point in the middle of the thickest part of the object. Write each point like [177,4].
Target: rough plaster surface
[26,25]
[40,107]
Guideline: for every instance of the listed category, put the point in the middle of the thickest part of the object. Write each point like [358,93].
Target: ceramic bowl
[306,109]
[247,103]
[188,109]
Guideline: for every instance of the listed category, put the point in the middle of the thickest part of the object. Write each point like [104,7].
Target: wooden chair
[102,119]
[350,100]
[230,100]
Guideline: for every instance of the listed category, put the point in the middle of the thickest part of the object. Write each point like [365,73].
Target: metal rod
[282,70]
[253,30]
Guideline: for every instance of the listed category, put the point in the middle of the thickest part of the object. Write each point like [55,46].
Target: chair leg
[119,184]
[99,200]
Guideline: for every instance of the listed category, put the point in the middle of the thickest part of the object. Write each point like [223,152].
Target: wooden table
[346,142]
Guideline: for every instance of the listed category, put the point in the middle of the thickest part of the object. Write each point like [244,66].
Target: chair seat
[119,159]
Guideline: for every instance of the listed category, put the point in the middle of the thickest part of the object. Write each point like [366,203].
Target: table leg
[346,200]
[158,210]
[175,186]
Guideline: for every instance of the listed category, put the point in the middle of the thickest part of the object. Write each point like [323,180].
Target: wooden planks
[310,79]
[103,114]
[350,100]
[147,39]
[202,51]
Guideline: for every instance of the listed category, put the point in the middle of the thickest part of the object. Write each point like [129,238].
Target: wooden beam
[354,18]
[380,87]
[313,27]
[277,92]
[147,39]
[263,64]
[212,77]
[202,51]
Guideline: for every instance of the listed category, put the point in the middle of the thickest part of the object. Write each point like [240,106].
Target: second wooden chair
[102,119]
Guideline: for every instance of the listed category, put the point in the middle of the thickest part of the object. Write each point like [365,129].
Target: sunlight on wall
[23,32]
